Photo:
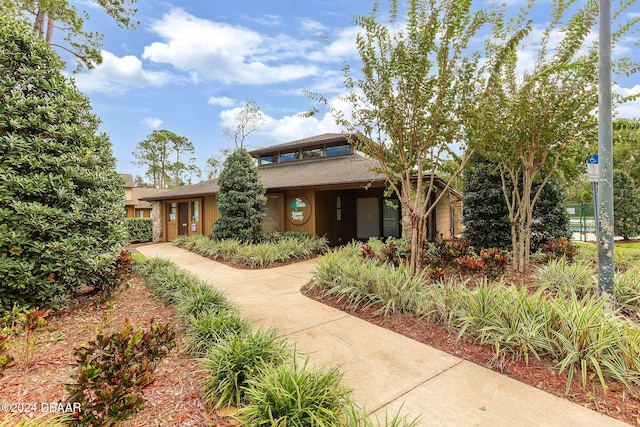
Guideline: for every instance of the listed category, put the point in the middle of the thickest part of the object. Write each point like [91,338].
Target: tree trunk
[38,24]
[50,24]
[417,243]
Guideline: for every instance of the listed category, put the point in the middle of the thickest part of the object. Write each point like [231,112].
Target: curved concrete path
[385,370]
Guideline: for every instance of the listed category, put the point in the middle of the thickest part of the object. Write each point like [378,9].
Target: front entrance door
[368,217]
[183,219]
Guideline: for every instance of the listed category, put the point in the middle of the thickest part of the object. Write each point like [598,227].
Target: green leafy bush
[561,277]
[61,216]
[231,362]
[200,297]
[139,230]
[270,252]
[113,369]
[559,248]
[292,395]
[627,291]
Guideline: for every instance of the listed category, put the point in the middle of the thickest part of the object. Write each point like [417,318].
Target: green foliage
[410,100]
[61,216]
[156,153]
[241,199]
[230,363]
[212,326]
[200,297]
[266,252]
[485,215]
[563,278]
[359,418]
[112,371]
[6,360]
[140,230]
[296,396]
[626,206]
[43,420]
[627,291]
[625,256]
[626,138]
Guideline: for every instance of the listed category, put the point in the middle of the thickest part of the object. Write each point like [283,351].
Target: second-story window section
[267,159]
[312,153]
[289,156]
[337,150]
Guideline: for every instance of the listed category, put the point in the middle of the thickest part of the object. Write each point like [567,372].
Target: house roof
[350,169]
[147,193]
[325,138]
[128,180]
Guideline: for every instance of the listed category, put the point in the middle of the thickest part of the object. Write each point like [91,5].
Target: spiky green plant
[627,291]
[355,417]
[206,328]
[199,297]
[296,396]
[231,362]
[561,277]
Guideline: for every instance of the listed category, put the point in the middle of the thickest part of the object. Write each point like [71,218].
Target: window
[139,213]
[391,218]
[290,156]
[267,159]
[271,221]
[338,209]
[195,211]
[312,153]
[172,211]
[338,150]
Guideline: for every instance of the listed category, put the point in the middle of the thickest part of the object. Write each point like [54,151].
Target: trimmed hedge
[140,230]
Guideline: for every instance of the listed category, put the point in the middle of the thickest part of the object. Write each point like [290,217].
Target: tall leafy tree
[536,123]
[626,140]
[156,153]
[241,199]
[408,104]
[626,206]
[61,213]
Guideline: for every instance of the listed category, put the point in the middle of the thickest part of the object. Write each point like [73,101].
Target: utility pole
[605,154]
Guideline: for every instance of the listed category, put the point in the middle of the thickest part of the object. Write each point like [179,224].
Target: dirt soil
[173,398]
[618,402]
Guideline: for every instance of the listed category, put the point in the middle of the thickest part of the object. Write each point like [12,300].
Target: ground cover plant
[270,250]
[563,320]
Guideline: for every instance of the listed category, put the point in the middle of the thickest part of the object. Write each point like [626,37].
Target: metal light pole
[605,154]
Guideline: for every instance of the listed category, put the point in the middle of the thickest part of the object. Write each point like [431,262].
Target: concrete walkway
[386,370]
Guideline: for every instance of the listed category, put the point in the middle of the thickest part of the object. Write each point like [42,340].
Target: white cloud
[153,122]
[117,75]
[222,101]
[344,46]
[630,109]
[311,26]
[225,52]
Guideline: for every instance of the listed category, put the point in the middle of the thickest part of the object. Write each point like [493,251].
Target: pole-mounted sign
[593,169]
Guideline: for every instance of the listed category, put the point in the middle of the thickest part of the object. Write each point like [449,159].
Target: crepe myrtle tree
[407,105]
[61,211]
[535,124]
[241,199]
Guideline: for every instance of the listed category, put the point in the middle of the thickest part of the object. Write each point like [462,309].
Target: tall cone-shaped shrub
[61,212]
[241,199]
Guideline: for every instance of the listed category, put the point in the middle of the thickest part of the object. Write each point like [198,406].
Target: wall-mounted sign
[299,210]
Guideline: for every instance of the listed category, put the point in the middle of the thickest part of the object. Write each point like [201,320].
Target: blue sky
[191,65]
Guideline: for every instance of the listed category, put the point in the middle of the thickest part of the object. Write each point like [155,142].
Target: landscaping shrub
[627,291]
[292,395]
[494,261]
[209,327]
[559,248]
[200,297]
[560,277]
[61,215]
[231,362]
[140,230]
[241,200]
[113,369]
[270,252]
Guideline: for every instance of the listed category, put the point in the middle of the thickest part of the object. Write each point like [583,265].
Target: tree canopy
[408,103]
[47,16]
[157,153]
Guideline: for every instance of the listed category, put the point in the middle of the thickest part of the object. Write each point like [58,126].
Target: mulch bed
[173,398]
[618,402]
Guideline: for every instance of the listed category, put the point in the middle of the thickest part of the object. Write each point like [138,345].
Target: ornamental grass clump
[200,297]
[231,362]
[627,291]
[206,328]
[355,417]
[293,395]
[561,277]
